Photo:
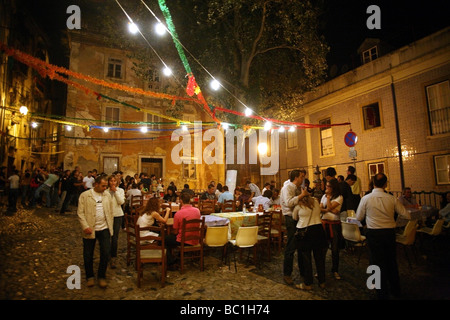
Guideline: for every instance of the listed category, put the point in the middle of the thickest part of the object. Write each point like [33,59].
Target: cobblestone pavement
[37,246]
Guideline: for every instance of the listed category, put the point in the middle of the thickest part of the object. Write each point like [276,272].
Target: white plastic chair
[246,237]
[352,235]
[217,237]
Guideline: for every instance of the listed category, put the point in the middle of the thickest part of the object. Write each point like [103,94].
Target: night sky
[343,23]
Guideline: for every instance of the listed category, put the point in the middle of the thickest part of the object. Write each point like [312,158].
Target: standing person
[62,189]
[254,189]
[96,216]
[25,187]
[356,187]
[72,190]
[188,212]
[310,238]
[356,198]
[13,193]
[345,189]
[46,187]
[330,206]
[378,209]
[289,199]
[118,198]
[88,181]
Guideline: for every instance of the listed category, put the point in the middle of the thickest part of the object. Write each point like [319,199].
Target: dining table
[421,214]
[237,219]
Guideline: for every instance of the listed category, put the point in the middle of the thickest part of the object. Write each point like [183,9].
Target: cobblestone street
[37,246]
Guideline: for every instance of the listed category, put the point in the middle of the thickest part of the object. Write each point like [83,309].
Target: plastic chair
[435,231]
[352,235]
[246,237]
[408,238]
[217,237]
[151,249]
[192,230]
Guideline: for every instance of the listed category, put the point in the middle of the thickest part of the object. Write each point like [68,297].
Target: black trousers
[383,253]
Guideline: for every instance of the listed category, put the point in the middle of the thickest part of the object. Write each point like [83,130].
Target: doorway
[152,166]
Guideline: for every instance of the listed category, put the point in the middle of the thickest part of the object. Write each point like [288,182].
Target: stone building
[398,104]
[124,147]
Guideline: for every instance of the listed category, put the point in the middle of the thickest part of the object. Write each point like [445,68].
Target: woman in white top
[330,207]
[310,237]
[151,214]
[118,199]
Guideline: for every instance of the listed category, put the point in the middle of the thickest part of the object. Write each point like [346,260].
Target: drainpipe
[397,129]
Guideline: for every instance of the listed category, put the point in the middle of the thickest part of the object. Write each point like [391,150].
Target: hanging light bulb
[292,129]
[132,27]
[160,29]
[69,128]
[262,148]
[281,129]
[167,71]
[34,124]
[225,125]
[184,127]
[144,129]
[215,85]
[267,126]
[248,112]
[105,129]
[23,110]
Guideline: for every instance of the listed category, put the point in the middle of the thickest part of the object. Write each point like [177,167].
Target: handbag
[300,234]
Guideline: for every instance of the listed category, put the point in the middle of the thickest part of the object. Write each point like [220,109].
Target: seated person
[275,200]
[170,196]
[209,194]
[244,197]
[407,199]
[187,212]
[225,196]
[445,211]
[265,200]
[150,214]
[189,191]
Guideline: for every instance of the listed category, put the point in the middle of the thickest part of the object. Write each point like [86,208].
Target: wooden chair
[151,249]
[264,223]
[229,206]
[276,233]
[136,203]
[130,229]
[192,230]
[207,206]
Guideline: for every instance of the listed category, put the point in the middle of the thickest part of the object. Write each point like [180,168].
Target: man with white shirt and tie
[378,208]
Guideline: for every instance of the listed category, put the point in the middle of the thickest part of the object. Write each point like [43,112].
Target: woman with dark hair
[170,196]
[118,199]
[151,214]
[330,207]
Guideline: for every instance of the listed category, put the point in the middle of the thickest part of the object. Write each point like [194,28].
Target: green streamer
[171,27]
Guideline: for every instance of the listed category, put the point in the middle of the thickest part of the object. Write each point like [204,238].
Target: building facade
[398,104]
[124,147]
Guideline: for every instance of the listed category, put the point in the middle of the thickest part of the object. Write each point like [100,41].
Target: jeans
[25,192]
[67,200]
[61,200]
[291,247]
[383,253]
[13,195]
[104,239]
[46,189]
[335,242]
[115,237]
[314,242]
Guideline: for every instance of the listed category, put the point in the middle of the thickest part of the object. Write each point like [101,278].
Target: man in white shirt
[13,193]
[254,189]
[88,181]
[378,209]
[289,196]
[96,216]
[264,200]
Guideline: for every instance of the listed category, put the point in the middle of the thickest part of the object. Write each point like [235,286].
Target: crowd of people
[312,216]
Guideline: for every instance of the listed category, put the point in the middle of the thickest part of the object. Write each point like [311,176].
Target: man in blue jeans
[46,187]
[96,216]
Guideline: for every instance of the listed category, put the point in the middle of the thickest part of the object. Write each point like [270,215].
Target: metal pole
[397,129]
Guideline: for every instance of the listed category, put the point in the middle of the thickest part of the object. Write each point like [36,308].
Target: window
[292,139]
[110,164]
[114,68]
[326,139]
[153,118]
[438,103]
[112,114]
[371,116]
[189,170]
[370,55]
[154,79]
[375,168]
[442,169]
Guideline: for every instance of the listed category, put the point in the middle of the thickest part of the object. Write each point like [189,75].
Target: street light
[23,110]
[262,148]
